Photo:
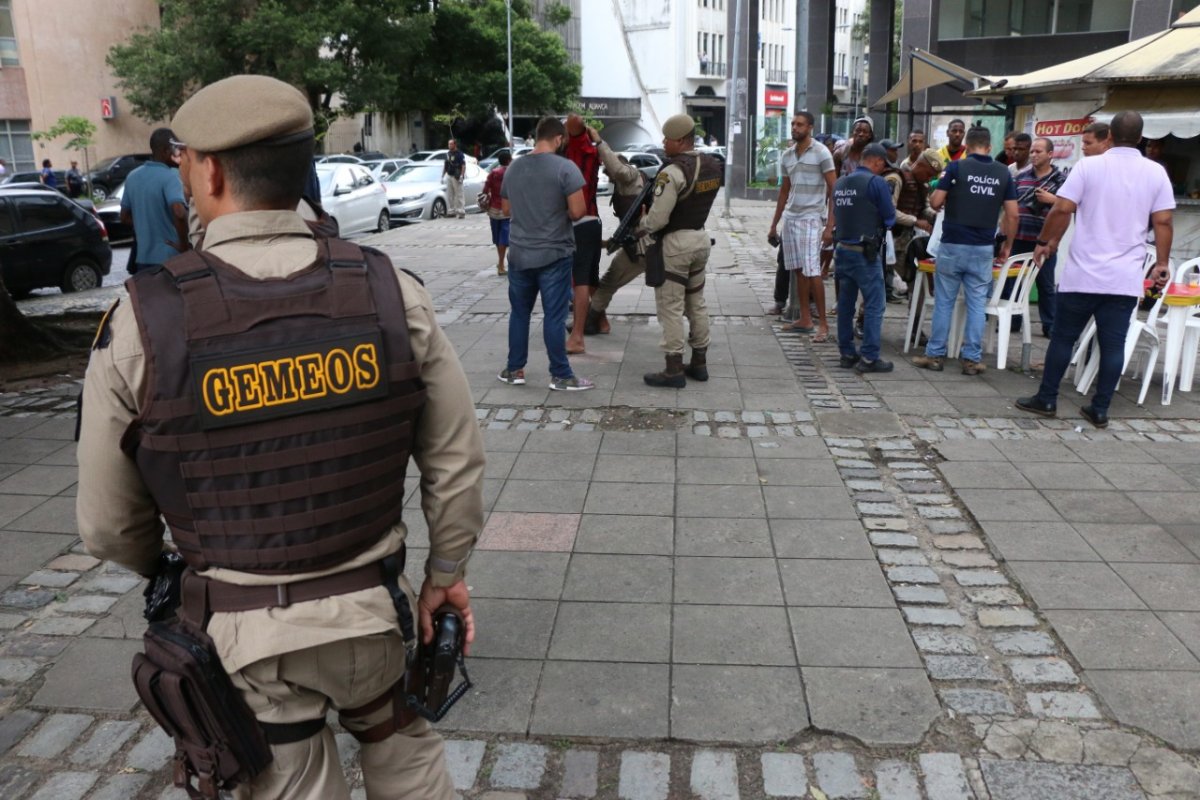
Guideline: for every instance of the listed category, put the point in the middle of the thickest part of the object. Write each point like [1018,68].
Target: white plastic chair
[1004,308]
[920,305]
[1084,350]
[1191,336]
[1142,343]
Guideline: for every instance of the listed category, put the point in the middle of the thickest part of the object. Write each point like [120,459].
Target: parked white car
[353,198]
[416,191]
[382,169]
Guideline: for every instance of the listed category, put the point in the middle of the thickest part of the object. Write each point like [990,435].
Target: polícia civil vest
[977,195]
[855,214]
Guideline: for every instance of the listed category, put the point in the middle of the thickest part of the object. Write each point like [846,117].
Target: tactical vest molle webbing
[978,193]
[278,415]
[912,195]
[854,212]
[703,181]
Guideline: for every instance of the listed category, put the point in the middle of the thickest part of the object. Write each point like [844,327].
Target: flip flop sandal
[790,328]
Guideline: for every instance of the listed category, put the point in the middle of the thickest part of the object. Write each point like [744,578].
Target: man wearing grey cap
[684,192]
[263,396]
[862,209]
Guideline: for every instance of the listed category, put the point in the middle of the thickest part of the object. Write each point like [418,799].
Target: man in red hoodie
[588,233]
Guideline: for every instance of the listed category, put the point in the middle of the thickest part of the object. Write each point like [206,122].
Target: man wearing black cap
[263,395]
[863,210]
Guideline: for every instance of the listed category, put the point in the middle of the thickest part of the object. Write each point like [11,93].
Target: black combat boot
[671,377]
[591,325]
[698,369]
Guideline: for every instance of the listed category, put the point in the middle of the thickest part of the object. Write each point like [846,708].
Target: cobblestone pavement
[789,581]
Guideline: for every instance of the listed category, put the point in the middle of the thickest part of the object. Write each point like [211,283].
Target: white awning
[928,71]
[1165,112]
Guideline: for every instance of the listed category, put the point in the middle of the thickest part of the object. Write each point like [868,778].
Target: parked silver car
[417,192]
[354,199]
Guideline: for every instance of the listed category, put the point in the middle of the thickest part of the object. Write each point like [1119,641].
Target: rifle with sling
[624,235]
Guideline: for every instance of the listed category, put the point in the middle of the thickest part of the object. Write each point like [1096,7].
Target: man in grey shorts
[805,198]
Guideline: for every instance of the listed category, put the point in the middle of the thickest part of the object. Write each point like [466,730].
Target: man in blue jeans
[862,209]
[543,193]
[1116,198]
[973,191]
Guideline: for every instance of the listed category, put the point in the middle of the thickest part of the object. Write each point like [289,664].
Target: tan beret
[242,110]
[933,158]
[679,126]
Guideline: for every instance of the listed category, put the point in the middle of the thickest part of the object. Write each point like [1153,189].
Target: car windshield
[105,164]
[414,173]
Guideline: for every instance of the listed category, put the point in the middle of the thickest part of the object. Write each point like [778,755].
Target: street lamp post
[732,99]
[508,3]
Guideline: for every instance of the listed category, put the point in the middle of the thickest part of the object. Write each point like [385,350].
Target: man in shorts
[495,210]
[805,205]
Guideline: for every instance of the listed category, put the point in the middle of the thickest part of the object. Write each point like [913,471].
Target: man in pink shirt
[1116,198]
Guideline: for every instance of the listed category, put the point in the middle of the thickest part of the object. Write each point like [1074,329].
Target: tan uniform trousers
[454,197]
[305,684]
[682,295]
[621,270]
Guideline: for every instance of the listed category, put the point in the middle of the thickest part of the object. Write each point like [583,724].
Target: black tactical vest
[278,415]
[978,193]
[698,196]
[855,214]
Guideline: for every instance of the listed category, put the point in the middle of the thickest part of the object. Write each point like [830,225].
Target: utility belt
[218,741]
[869,247]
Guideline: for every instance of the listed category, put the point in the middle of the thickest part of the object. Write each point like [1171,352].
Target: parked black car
[47,240]
[36,177]
[112,172]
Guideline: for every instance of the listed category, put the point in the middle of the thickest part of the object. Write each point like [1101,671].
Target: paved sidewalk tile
[66,786]
[580,778]
[715,775]
[944,776]
[519,766]
[838,776]
[644,776]
[896,780]
[784,775]
[57,733]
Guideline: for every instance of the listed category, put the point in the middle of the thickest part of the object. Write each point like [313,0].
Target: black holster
[656,265]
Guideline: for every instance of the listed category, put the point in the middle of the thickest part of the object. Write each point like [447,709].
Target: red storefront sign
[776,98]
[1061,127]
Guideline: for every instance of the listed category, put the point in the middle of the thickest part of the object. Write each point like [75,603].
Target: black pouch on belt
[218,742]
[656,265]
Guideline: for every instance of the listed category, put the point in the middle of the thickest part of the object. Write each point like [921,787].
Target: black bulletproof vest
[854,213]
[978,193]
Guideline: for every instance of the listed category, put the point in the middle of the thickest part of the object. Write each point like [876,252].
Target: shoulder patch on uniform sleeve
[660,182]
[104,329]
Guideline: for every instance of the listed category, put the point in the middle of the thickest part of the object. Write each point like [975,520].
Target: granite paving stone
[977,701]
[1007,618]
[104,742]
[155,749]
[1024,643]
[1021,780]
[120,787]
[913,575]
[92,674]
[620,533]
[1067,705]
[18,670]
[55,735]
[644,776]
[518,766]
[944,776]
[17,781]
[580,769]
[463,759]
[768,706]
[66,786]
[942,642]
[714,775]
[960,668]
[838,775]
[1042,671]
[14,725]
[61,626]
[784,775]
[896,780]
[931,595]
[945,617]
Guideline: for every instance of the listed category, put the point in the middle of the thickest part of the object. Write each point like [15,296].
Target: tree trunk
[20,339]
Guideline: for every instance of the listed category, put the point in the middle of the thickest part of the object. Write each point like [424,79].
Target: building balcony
[714,70]
[777,75]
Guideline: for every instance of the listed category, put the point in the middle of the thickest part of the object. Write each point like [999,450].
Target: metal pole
[508,3]
[735,115]
[910,95]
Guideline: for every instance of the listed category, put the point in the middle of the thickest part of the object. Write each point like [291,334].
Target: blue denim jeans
[968,266]
[553,282]
[1074,309]
[855,274]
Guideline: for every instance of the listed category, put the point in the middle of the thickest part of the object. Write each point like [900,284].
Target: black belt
[858,248]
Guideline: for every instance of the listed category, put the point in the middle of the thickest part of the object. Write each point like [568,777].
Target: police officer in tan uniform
[627,181]
[247,452]
[684,192]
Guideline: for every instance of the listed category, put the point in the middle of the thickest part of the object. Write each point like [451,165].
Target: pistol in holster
[429,692]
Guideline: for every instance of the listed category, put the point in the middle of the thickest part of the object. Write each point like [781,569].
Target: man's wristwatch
[1042,243]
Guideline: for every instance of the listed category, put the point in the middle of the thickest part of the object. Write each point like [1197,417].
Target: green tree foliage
[384,55]
[81,131]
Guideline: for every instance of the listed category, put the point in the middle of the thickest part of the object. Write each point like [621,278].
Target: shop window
[8,36]
[975,19]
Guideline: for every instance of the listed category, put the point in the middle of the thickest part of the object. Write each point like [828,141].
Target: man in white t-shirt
[805,206]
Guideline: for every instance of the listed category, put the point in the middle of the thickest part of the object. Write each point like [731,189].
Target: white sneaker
[575,384]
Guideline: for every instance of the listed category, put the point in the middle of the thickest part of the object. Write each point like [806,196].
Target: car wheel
[99,192]
[385,221]
[81,274]
[439,209]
